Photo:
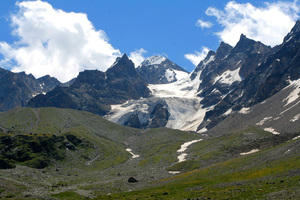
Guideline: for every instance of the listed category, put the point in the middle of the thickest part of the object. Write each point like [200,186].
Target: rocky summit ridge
[160,70]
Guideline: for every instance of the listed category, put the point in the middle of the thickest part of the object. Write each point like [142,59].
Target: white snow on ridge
[228,77]
[271,130]
[296,118]
[154,60]
[294,95]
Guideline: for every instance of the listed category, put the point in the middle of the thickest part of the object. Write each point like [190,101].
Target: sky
[62,38]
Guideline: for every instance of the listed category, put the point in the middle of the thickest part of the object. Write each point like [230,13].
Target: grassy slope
[273,173]
[91,170]
[214,167]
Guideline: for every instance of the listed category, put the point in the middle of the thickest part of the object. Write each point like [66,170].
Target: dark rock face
[159,70]
[274,71]
[133,121]
[95,91]
[158,118]
[48,83]
[18,88]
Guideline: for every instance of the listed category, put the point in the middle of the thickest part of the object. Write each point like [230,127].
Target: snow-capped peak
[154,60]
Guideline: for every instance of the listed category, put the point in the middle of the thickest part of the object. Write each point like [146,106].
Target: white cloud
[137,56]
[203,24]
[197,57]
[54,42]
[268,24]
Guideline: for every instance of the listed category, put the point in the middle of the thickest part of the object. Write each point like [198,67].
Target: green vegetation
[247,177]
[68,195]
[68,154]
[31,150]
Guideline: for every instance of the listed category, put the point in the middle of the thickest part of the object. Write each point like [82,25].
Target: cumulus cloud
[203,24]
[268,24]
[137,56]
[54,42]
[197,57]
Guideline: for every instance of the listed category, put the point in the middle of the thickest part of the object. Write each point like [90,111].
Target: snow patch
[174,172]
[250,152]
[296,138]
[203,130]
[263,102]
[290,108]
[296,118]
[287,151]
[35,94]
[170,75]
[294,95]
[180,74]
[211,58]
[228,77]
[272,130]
[263,121]
[183,148]
[228,112]
[244,111]
[133,155]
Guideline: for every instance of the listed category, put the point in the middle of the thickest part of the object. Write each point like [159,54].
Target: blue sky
[181,30]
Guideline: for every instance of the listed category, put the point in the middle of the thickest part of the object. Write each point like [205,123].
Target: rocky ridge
[95,91]
[18,88]
[160,70]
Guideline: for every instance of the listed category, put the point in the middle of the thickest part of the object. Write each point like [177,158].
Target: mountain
[160,70]
[269,77]
[227,80]
[222,71]
[18,88]
[95,91]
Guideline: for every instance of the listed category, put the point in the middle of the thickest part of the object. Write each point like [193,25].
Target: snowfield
[180,98]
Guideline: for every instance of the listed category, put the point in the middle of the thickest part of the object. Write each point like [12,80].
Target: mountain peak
[223,50]
[154,60]
[160,70]
[122,67]
[293,33]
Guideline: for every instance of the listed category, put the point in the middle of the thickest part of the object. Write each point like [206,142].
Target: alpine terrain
[228,130]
